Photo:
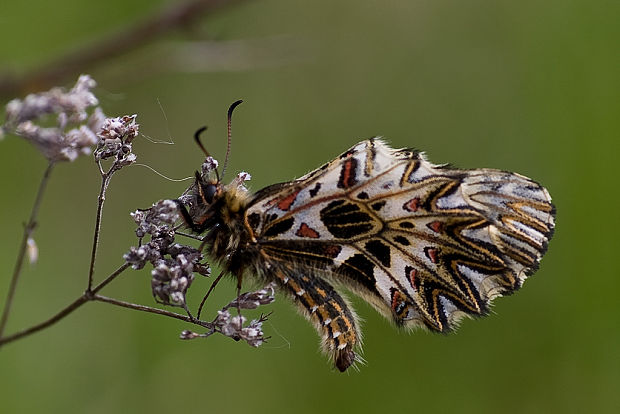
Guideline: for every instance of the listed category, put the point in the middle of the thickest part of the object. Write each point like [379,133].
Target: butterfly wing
[425,244]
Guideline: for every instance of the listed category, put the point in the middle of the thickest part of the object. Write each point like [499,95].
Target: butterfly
[424,244]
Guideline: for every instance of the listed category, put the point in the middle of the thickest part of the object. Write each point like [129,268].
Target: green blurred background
[528,86]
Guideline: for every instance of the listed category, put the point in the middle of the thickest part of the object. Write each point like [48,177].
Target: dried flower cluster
[232,326]
[73,132]
[116,136]
[252,300]
[173,264]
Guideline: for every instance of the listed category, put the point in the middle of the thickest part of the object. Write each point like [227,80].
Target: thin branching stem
[93,296]
[150,309]
[49,322]
[28,229]
[110,278]
[105,181]
[86,296]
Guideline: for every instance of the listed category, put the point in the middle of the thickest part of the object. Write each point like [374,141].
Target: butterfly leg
[328,311]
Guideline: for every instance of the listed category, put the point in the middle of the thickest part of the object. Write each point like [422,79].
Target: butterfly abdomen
[324,307]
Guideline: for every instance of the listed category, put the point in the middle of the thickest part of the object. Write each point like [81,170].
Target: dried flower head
[115,138]
[233,326]
[252,300]
[209,165]
[171,278]
[156,220]
[173,264]
[74,132]
[241,178]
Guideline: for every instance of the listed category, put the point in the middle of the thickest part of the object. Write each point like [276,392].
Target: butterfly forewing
[424,244]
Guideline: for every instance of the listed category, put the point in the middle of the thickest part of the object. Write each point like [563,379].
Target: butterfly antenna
[202,147]
[230,112]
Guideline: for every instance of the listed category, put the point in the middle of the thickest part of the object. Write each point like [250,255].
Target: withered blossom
[171,278]
[233,326]
[252,300]
[73,132]
[209,165]
[173,264]
[115,141]
[241,178]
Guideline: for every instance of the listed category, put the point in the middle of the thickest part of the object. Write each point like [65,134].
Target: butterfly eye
[209,191]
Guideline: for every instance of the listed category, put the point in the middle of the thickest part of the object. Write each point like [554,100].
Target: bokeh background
[526,86]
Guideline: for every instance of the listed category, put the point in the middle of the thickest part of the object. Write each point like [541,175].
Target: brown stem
[105,181]
[28,229]
[149,309]
[87,296]
[139,34]
[93,296]
[60,315]
[110,278]
[204,299]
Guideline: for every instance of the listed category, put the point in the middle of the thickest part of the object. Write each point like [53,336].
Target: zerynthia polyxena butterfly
[424,244]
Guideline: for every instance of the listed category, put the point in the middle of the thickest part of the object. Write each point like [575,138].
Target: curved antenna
[202,147]
[230,112]
[197,139]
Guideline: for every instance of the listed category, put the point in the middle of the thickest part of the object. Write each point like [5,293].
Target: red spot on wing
[412,205]
[413,273]
[347,174]
[332,250]
[307,231]
[396,299]
[285,203]
[436,226]
[432,254]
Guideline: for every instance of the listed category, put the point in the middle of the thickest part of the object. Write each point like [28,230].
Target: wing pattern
[424,244]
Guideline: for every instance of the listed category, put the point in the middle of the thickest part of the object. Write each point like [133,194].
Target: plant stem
[28,229]
[105,181]
[86,296]
[110,278]
[93,296]
[60,315]
[149,309]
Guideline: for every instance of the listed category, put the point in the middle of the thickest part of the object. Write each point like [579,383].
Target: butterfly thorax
[217,212]
[228,236]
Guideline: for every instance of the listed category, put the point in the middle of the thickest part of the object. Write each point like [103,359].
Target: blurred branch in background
[202,56]
[173,17]
[230,55]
